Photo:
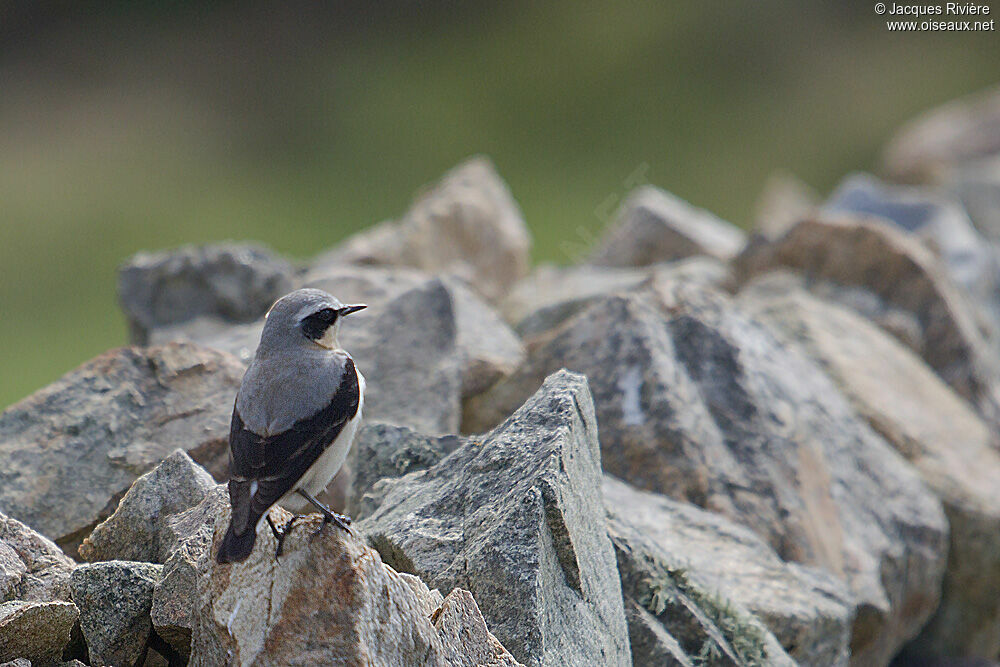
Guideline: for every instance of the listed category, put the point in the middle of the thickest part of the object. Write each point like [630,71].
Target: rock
[235,281]
[488,348]
[330,600]
[940,223]
[20,662]
[551,295]
[175,596]
[467,226]
[977,186]
[515,517]
[783,202]
[896,282]
[700,404]
[655,226]
[809,611]
[114,598]
[931,427]
[960,131]
[75,446]
[384,450]
[132,532]
[35,631]
[32,567]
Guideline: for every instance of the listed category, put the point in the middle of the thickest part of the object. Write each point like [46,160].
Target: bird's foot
[280,535]
[329,516]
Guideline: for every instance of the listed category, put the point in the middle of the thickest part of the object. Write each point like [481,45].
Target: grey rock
[699,403]
[930,426]
[73,448]
[898,283]
[551,295]
[939,222]
[932,144]
[783,202]
[114,598]
[808,611]
[387,451]
[488,348]
[330,601]
[515,517]
[655,226]
[132,532]
[175,596]
[977,186]
[20,662]
[235,281]
[35,631]
[32,567]
[467,226]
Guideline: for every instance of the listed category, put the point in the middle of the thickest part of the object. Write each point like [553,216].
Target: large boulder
[809,611]
[928,424]
[330,600]
[515,516]
[655,226]
[895,281]
[114,598]
[699,403]
[133,531]
[73,448]
[36,631]
[237,282]
[468,226]
[32,567]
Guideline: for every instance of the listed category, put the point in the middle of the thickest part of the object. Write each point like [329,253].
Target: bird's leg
[329,516]
[280,535]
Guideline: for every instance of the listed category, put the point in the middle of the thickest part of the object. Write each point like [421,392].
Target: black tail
[235,547]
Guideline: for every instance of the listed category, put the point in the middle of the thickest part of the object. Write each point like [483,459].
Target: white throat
[329,339]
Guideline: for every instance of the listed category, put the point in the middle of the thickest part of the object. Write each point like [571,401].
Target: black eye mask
[315,325]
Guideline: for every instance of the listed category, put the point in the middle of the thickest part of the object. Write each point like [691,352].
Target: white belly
[329,463]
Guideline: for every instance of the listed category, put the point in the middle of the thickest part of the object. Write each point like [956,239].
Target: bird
[295,416]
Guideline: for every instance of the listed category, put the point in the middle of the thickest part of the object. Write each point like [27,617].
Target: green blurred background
[141,125]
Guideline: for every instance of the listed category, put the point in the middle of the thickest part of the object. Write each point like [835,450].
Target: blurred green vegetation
[149,125]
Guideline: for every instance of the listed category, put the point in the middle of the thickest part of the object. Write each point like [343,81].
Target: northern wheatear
[295,417]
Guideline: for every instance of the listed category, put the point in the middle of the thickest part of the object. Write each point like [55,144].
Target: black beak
[347,310]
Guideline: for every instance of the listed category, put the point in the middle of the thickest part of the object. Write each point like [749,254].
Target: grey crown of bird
[296,414]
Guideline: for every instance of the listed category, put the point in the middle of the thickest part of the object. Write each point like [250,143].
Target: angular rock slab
[700,404]
[655,226]
[386,451]
[515,517]
[133,531]
[73,447]
[468,226]
[898,283]
[175,596]
[32,567]
[237,282]
[941,224]
[330,600]
[37,631]
[930,426]
[809,611]
[114,598]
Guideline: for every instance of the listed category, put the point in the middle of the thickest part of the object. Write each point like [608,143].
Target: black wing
[276,463]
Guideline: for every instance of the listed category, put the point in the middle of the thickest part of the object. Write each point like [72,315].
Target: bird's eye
[315,325]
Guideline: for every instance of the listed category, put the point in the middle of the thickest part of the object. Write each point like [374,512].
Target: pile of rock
[693,448]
